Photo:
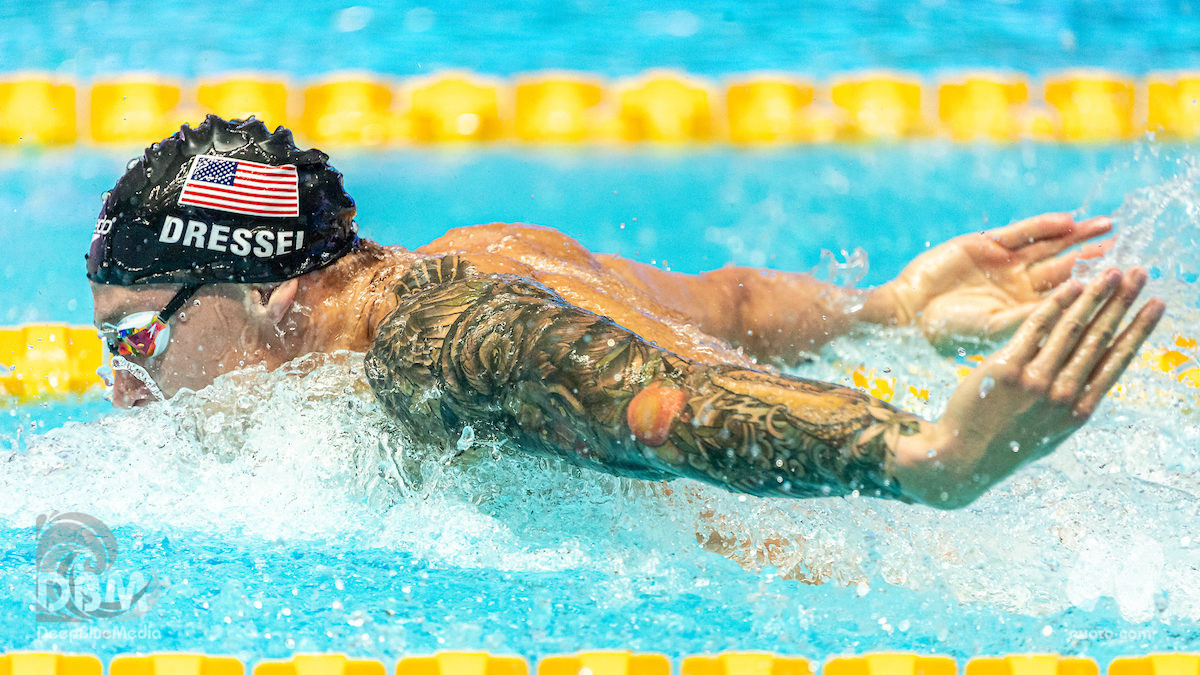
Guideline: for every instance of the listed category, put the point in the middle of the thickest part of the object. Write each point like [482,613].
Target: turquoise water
[283,513]
[819,37]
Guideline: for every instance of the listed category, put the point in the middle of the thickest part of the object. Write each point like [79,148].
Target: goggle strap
[176,302]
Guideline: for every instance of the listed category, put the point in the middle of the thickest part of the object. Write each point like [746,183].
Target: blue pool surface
[616,38]
[283,512]
[273,524]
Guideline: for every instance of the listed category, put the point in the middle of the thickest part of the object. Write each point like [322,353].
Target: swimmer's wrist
[927,467]
[888,305]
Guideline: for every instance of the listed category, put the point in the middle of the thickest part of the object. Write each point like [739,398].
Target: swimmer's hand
[983,285]
[1028,397]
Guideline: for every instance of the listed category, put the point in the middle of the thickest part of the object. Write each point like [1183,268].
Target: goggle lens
[142,334]
[145,334]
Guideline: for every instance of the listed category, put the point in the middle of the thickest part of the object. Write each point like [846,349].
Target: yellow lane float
[349,110]
[320,664]
[882,106]
[264,97]
[41,360]
[745,663]
[658,106]
[175,664]
[898,663]
[1031,664]
[768,109]
[982,107]
[48,663]
[605,663]
[559,108]
[132,109]
[665,107]
[1173,105]
[462,663]
[602,663]
[36,109]
[1092,106]
[455,107]
[1156,664]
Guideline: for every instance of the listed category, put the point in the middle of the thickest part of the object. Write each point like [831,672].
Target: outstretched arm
[979,285]
[775,316]
[512,354]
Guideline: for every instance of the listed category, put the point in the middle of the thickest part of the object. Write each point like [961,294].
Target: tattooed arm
[510,353]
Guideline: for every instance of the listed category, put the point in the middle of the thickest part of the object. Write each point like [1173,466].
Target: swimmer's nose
[128,391]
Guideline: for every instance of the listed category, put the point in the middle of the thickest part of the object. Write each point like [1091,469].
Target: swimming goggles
[145,334]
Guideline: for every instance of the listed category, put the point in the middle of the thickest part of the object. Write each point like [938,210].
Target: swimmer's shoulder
[512,248]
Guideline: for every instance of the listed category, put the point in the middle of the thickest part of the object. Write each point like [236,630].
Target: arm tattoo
[507,352]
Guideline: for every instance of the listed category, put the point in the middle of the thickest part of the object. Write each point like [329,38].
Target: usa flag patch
[238,186]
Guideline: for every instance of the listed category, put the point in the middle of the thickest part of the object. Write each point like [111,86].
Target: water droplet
[466,439]
[1014,446]
[986,386]
[931,453]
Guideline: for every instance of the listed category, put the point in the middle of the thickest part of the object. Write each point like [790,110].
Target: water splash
[845,276]
[305,454]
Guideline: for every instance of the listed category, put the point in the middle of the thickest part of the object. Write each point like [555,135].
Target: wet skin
[688,403]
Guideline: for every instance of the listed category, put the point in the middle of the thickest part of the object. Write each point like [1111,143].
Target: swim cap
[227,201]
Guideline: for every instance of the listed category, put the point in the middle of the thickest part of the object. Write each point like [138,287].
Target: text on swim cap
[222,238]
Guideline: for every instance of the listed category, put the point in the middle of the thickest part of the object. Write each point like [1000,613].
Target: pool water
[819,38]
[283,512]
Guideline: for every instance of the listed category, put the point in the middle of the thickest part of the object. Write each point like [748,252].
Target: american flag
[239,186]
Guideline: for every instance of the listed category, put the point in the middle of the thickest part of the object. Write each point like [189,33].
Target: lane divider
[1034,664]
[658,106]
[40,361]
[602,663]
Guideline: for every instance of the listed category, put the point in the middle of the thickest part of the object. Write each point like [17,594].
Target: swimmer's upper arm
[774,315]
[509,355]
[708,299]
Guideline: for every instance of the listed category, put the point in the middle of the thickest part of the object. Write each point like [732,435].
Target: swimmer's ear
[273,302]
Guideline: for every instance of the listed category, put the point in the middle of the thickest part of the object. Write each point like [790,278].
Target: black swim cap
[224,202]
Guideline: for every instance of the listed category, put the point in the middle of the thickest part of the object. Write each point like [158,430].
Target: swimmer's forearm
[512,356]
[779,315]
[754,432]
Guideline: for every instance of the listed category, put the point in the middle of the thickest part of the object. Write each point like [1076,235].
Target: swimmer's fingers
[1068,331]
[1078,232]
[1030,230]
[1118,356]
[1025,344]
[1097,338]
[1049,273]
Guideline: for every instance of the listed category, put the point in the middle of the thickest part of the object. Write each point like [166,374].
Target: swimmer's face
[213,333]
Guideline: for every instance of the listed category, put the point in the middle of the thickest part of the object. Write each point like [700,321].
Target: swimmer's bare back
[511,356]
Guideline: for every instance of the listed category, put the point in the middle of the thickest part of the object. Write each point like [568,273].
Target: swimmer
[226,246]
